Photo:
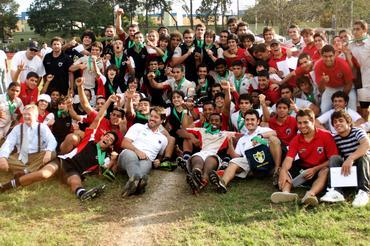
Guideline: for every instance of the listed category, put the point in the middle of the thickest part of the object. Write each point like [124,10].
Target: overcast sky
[24,4]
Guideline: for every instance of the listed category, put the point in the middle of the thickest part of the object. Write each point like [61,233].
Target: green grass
[49,214]
[244,216]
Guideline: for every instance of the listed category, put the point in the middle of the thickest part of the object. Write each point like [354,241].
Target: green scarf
[141,116]
[131,44]
[204,88]
[12,106]
[260,140]
[62,113]
[101,155]
[180,84]
[118,61]
[200,43]
[211,131]
[240,122]
[165,56]
[174,111]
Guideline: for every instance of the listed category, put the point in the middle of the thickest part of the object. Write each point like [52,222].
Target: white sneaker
[361,199]
[332,196]
[310,200]
[278,197]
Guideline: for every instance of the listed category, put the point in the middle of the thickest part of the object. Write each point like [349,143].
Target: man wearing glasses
[27,61]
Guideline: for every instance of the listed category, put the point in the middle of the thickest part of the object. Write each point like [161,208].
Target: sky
[24,4]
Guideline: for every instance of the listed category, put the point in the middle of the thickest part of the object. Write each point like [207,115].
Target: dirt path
[163,204]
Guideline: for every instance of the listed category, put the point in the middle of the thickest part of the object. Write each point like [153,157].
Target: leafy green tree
[8,17]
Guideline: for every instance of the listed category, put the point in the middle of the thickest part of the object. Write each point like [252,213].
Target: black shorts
[296,170]
[70,168]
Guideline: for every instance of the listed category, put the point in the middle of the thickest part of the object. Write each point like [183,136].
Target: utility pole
[237,9]
[351,21]
[191,14]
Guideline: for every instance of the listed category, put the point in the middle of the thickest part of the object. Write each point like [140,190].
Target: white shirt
[234,121]
[187,86]
[45,51]
[144,139]
[362,55]
[245,142]
[4,107]
[34,65]
[3,59]
[89,73]
[47,141]
[244,84]
[325,118]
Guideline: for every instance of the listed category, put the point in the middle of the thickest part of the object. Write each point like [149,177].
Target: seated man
[340,102]
[212,142]
[35,160]
[143,147]
[90,155]
[353,145]
[314,148]
[239,166]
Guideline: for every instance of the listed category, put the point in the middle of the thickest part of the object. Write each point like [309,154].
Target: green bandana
[200,43]
[101,155]
[157,73]
[131,44]
[209,46]
[110,87]
[240,122]
[211,131]
[180,84]
[12,106]
[165,56]
[174,111]
[237,83]
[139,46]
[204,88]
[219,77]
[141,116]
[260,140]
[62,113]
[118,61]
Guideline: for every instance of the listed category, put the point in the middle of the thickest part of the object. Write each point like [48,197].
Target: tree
[8,17]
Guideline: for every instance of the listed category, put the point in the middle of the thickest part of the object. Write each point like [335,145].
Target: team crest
[288,131]
[340,75]
[259,156]
[320,150]
[60,64]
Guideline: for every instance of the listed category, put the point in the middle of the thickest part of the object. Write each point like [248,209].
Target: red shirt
[271,95]
[272,62]
[27,95]
[315,152]
[338,74]
[104,126]
[285,131]
[240,56]
[310,50]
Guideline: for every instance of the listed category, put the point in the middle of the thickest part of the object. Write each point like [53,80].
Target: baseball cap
[274,41]
[44,97]
[34,45]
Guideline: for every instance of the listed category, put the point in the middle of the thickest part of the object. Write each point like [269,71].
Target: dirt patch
[164,203]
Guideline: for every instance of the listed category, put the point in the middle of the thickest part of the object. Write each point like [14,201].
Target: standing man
[35,160]
[3,71]
[143,147]
[57,63]
[353,145]
[360,48]
[27,61]
[314,148]
[296,40]
[332,74]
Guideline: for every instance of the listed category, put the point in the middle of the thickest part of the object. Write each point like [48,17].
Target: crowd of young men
[222,105]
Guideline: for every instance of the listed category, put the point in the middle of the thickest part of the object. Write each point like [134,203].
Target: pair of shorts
[243,163]
[204,155]
[35,162]
[296,170]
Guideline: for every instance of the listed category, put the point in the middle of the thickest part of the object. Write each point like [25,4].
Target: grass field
[48,214]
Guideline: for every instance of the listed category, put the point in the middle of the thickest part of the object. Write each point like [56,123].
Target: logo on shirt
[340,75]
[259,156]
[301,151]
[60,64]
[159,141]
[320,150]
[288,131]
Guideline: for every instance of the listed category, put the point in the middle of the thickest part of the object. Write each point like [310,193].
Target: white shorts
[204,155]
[243,163]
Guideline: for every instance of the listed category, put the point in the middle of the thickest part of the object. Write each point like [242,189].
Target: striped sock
[80,191]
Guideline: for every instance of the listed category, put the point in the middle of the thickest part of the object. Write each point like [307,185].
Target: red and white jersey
[213,143]
[89,136]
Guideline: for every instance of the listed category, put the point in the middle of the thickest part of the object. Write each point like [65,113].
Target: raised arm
[83,99]
[102,111]
[226,88]
[153,83]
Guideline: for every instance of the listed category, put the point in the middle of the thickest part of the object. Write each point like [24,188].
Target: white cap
[44,97]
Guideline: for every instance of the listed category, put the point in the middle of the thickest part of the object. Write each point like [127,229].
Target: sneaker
[92,193]
[361,199]
[310,200]
[279,197]
[192,183]
[141,185]
[332,196]
[197,175]
[181,162]
[130,187]
[217,181]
